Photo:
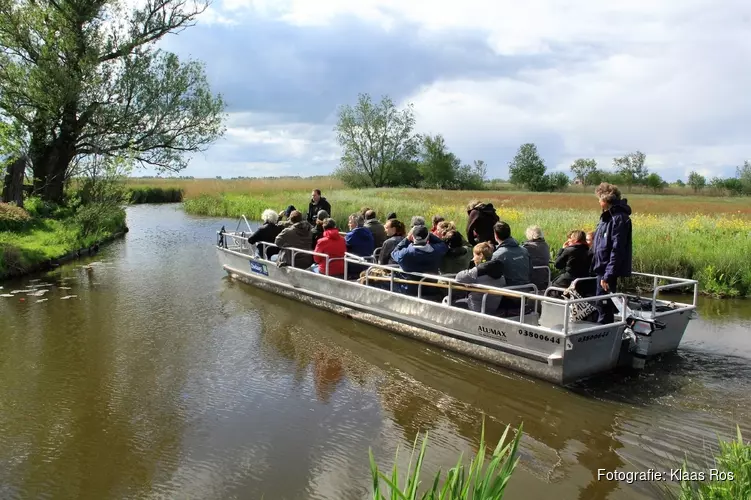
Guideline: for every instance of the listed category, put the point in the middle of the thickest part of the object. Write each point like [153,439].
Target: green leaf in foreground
[479,482]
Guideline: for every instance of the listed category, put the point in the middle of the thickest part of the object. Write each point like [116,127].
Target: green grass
[710,246]
[41,239]
[479,481]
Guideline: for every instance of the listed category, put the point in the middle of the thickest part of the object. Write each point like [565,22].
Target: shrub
[38,207]
[12,217]
[95,219]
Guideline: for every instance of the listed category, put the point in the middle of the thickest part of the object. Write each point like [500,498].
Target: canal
[144,372]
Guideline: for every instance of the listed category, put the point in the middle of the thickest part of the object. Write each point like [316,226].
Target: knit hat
[392,215]
[322,214]
[420,235]
[289,210]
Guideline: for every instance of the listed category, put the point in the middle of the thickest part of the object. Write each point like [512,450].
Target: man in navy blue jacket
[612,246]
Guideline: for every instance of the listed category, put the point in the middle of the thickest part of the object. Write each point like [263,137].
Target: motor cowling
[640,333]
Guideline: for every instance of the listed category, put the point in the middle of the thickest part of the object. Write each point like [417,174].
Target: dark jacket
[317,233]
[314,209]
[612,242]
[539,254]
[296,236]
[455,260]
[360,242]
[333,245]
[379,232]
[267,233]
[388,246]
[517,265]
[575,262]
[420,259]
[480,224]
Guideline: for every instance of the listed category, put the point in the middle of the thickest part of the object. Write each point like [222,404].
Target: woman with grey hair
[266,233]
[359,239]
[612,246]
[539,254]
[417,221]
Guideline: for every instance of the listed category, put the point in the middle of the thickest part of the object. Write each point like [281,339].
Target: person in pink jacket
[333,245]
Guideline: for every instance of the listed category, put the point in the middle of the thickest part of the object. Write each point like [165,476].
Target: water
[161,378]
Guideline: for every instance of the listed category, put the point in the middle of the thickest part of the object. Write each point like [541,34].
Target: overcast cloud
[578,78]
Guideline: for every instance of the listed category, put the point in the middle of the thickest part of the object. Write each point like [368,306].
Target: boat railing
[446,282]
[673,284]
[449,283]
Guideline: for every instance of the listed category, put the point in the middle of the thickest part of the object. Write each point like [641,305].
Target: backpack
[578,311]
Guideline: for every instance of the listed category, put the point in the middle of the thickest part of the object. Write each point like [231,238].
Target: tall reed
[478,482]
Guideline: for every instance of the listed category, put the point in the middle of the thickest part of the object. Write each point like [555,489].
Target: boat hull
[525,347]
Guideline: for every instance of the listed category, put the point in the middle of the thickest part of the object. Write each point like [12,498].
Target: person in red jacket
[333,245]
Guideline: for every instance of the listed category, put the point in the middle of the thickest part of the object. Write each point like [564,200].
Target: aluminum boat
[538,338]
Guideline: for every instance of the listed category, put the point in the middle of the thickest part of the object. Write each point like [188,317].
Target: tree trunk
[13,188]
[50,166]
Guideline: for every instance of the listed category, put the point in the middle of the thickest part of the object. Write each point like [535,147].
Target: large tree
[377,141]
[583,168]
[438,166]
[631,168]
[527,169]
[83,77]
[696,181]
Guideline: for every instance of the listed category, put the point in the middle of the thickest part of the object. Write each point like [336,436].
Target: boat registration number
[540,336]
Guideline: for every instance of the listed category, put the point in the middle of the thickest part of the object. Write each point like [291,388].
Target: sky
[577,78]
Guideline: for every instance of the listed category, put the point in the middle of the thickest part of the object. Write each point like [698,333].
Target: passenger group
[493,258]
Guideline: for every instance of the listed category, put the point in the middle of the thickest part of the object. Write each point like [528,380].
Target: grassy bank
[28,239]
[708,239]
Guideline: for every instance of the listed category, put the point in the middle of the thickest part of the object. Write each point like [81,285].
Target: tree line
[83,79]
[630,170]
[381,149]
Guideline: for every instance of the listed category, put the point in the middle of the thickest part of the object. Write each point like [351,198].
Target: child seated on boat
[493,276]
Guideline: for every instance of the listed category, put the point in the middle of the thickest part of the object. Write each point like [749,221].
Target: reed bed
[578,198]
[710,247]
[192,188]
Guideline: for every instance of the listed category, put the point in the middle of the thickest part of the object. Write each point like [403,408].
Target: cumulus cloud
[580,79]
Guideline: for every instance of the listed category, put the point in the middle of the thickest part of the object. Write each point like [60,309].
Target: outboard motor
[639,331]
